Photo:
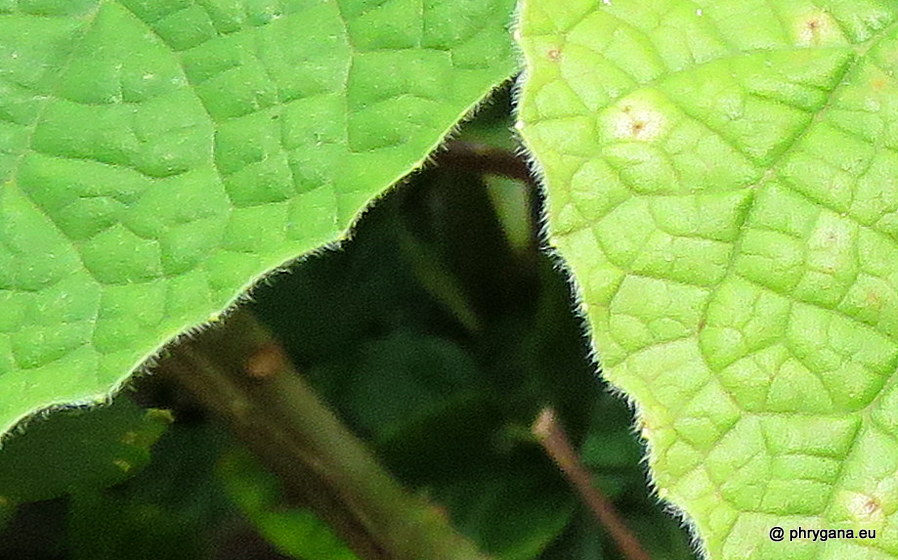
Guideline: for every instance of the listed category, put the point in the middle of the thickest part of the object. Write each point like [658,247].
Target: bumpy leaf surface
[158,156]
[723,182]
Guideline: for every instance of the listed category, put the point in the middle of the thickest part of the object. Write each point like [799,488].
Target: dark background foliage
[437,332]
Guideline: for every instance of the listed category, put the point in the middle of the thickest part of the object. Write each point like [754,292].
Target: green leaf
[172,510]
[158,157]
[76,451]
[721,181]
[512,512]
[294,531]
[7,509]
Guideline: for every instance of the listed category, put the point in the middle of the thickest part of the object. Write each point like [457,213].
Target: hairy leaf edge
[145,365]
[578,307]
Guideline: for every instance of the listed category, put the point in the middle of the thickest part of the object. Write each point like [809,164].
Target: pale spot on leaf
[864,507]
[879,84]
[874,299]
[637,121]
[817,29]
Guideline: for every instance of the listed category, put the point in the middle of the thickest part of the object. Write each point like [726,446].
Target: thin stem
[557,445]
[241,374]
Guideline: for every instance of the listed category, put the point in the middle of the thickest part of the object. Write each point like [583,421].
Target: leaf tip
[160,415]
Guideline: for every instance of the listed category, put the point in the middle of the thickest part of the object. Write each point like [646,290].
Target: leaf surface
[158,156]
[78,451]
[722,182]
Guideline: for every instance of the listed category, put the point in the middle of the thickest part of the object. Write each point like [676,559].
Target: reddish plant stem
[481,159]
[554,440]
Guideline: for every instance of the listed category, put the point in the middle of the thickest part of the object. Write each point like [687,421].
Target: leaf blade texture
[158,158]
[720,182]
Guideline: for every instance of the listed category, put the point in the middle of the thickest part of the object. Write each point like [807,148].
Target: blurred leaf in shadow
[440,330]
[444,396]
[71,451]
[171,510]
[292,530]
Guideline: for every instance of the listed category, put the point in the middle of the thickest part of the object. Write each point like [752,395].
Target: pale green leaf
[723,182]
[158,156]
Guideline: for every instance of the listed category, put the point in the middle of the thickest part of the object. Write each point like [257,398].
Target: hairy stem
[557,445]
[242,375]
